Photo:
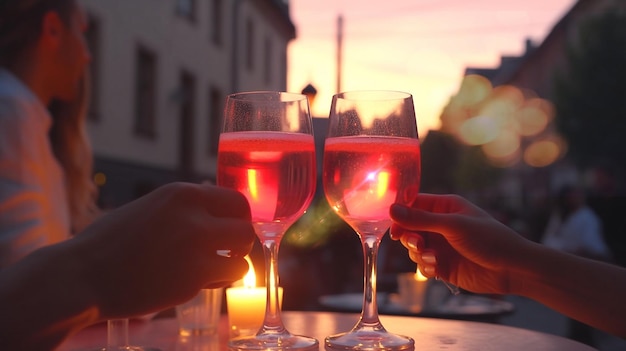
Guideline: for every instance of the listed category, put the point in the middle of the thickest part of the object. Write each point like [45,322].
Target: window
[267,58]
[283,68]
[249,44]
[215,119]
[186,8]
[186,137]
[217,22]
[145,93]
[92,36]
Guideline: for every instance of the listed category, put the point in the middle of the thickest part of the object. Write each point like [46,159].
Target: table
[462,306]
[429,334]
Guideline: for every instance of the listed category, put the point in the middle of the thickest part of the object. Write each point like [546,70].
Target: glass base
[369,340]
[273,342]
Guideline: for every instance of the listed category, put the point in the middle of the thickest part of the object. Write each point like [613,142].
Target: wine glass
[267,152]
[371,160]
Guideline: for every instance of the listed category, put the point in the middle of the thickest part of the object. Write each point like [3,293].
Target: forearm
[44,299]
[589,291]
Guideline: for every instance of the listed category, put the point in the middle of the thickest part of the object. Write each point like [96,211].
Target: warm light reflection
[383,183]
[265,156]
[261,197]
[252,184]
[371,198]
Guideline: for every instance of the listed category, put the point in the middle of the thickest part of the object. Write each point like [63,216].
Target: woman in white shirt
[46,192]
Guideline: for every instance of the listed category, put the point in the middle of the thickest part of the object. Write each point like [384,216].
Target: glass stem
[369,315]
[117,334]
[272,323]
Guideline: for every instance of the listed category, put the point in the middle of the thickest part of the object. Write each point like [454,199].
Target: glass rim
[374,95]
[263,95]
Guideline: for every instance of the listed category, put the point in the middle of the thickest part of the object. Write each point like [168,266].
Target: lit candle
[412,290]
[419,276]
[246,305]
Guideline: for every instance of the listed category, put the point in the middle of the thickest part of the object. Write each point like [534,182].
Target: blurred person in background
[46,189]
[575,228]
[51,287]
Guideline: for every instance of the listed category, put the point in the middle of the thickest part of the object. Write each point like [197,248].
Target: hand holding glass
[371,160]
[267,152]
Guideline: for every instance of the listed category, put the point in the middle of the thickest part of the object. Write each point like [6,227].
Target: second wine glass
[267,152]
[371,160]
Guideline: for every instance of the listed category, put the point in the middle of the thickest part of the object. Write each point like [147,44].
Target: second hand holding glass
[371,160]
[267,152]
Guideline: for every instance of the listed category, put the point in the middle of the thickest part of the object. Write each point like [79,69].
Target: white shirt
[33,203]
[580,233]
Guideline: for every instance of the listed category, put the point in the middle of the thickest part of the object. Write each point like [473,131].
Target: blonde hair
[71,147]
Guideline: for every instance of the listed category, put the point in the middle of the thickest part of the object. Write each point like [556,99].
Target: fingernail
[412,243]
[395,233]
[429,270]
[429,258]
[399,211]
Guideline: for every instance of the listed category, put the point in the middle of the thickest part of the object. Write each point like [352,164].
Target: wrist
[522,274]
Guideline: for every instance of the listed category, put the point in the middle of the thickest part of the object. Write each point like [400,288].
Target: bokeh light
[479,130]
[504,146]
[474,89]
[543,153]
[100,179]
[504,121]
[534,116]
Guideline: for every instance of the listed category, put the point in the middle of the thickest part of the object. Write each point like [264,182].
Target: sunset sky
[418,46]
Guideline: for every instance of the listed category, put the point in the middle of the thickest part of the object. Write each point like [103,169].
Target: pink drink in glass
[274,170]
[364,175]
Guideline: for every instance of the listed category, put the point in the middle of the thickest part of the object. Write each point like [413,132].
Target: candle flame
[419,276]
[371,196]
[383,183]
[254,190]
[249,280]
[378,182]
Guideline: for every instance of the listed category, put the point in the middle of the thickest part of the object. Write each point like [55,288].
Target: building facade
[161,72]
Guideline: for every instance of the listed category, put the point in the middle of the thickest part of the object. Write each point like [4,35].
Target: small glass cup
[201,314]
[412,291]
